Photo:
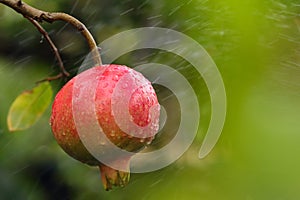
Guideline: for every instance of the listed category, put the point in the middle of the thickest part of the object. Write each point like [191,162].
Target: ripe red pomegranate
[129,124]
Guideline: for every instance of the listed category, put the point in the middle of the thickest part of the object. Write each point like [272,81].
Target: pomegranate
[125,108]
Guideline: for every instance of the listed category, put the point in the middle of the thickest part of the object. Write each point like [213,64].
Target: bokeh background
[256,46]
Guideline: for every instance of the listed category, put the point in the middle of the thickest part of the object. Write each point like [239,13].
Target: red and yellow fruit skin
[64,129]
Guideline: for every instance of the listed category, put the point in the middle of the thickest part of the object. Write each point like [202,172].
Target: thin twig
[40,16]
[52,45]
[52,78]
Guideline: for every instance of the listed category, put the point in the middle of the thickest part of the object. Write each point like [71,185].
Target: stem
[57,55]
[40,16]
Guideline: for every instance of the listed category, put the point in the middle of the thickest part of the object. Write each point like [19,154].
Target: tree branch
[52,45]
[38,15]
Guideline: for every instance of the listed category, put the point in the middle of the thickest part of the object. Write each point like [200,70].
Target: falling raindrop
[42,39]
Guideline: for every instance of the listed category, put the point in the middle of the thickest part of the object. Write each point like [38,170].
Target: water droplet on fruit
[125,86]
[131,118]
[105,85]
[115,68]
[116,78]
[113,133]
[63,133]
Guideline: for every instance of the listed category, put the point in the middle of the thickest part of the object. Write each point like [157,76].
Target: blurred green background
[256,46]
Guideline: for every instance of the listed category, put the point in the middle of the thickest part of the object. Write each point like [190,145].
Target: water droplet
[63,133]
[142,140]
[105,85]
[148,142]
[76,95]
[131,118]
[125,86]
[113,133]
[116,78]
[42,39]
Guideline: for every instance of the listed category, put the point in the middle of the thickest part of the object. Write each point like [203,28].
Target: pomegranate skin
[141,100]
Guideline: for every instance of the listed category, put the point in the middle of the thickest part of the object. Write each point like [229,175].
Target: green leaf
[29,106]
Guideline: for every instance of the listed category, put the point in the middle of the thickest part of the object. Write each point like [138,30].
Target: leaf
[29,106]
